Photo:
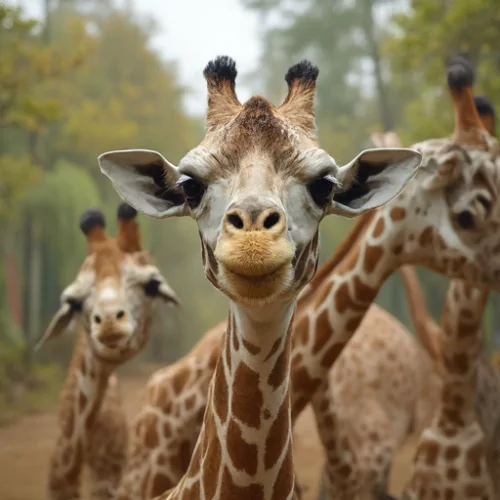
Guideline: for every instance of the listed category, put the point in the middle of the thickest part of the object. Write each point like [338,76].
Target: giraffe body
[110,307]
[457,454]
[257,186]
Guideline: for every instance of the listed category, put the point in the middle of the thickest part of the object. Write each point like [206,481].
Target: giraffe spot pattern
[247,379]
[242,454]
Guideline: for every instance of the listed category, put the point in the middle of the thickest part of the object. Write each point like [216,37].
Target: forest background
[84,78]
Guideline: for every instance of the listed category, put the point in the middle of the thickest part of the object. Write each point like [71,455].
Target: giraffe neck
[84,391]
[462,342]
[329,319]
[245,445]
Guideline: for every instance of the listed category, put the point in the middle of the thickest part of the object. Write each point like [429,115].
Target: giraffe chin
[256,290]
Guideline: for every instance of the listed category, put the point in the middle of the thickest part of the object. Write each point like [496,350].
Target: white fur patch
[108,293]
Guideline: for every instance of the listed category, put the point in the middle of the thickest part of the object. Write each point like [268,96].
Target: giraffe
[109,304]
[458,454]
[437,222]
[368,422]
[467,419]
[258,186]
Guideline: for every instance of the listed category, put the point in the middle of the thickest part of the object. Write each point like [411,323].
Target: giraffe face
[455,200]
[258,186]
[112,298]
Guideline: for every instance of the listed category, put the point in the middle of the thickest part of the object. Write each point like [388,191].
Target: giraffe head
[449,217]
[258,185]
[114,290]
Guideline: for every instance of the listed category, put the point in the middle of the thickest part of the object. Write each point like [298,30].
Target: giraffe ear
[58,324]
[145,180]
[373,178]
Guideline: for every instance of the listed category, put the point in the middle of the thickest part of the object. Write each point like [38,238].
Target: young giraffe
[110,303]
[258,186]
[407,230]
[458,455]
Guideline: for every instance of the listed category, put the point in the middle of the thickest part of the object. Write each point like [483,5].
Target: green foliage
[56,204]
[425,38]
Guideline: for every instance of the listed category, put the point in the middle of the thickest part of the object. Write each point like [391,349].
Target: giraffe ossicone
[258,186]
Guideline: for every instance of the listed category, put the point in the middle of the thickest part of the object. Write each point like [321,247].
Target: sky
[192,32]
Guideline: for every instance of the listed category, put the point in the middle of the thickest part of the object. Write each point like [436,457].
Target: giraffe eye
[193,190]
[321,190]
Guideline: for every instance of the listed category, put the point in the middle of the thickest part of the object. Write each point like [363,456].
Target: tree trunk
[371,40]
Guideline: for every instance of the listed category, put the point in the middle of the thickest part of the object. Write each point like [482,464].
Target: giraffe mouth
[256,287]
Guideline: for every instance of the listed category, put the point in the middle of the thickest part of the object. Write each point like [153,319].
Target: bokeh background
[80,77]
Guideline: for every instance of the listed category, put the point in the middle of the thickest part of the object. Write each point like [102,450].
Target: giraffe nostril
[465,220]
[97,318]
[235,220]
[120,314]
[271,220]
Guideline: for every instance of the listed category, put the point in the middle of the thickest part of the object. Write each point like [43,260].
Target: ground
[25,447]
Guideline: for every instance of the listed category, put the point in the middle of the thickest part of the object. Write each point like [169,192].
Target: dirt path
[26,445]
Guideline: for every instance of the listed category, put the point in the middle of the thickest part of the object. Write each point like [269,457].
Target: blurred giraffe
[458,453]
[110,304]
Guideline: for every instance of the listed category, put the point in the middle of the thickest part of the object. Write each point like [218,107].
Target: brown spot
[321,328]
[180,380]
[190,401]
[247,396]
[220,393]
[285,480]
[230,490]
[452,473]
[343,301]
[398,249]
[352,324]
[82,401]
[332,354]
[243,454]
[185,452]
[251,348]
[426,237]
[151,439]
[449,494]
[373,254]
[473,459]
[212,458]
[345,471]
[161,483]
[364,294]
[234,334]
[266,414]
[451,453]
[274,348]
[379,227]
[167,430]
[278,435]
[298,405]
[397,213]
[429,450]
[279,371]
